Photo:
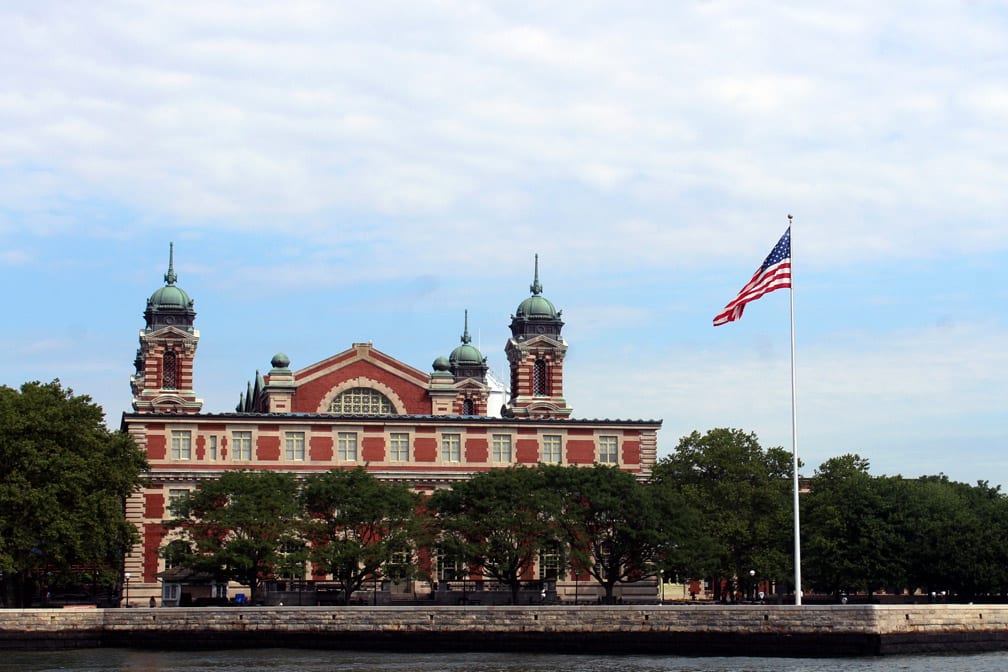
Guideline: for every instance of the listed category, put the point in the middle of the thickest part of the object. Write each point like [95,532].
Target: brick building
[358,407]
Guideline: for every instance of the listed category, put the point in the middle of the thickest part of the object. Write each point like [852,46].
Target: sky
[333,173]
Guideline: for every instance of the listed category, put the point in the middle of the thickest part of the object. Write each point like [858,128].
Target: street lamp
[752,585]
[127,577]
[661,577]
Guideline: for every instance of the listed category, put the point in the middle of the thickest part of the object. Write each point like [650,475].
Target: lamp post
[126,576]
[661,577]
[752,585]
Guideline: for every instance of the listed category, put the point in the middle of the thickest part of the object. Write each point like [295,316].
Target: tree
[241,527]
[63,489]
[611,524]
[851,542]
[358,527]
[742,493]
[498,521]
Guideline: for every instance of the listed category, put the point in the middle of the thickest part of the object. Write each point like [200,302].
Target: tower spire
[170,277]
[465,334]
[536,287]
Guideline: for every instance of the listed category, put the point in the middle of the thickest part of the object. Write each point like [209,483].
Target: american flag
[775,273]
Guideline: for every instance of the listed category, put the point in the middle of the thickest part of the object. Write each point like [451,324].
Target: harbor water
[289,660]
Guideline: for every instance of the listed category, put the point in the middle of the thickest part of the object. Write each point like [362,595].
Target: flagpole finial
[790,217]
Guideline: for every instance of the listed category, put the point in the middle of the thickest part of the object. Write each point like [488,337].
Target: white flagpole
[794,435]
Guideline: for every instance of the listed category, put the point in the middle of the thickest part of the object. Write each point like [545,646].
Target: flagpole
[794,435]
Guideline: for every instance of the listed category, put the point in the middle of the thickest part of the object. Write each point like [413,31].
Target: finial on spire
[536,287]
[170,276]
[465,334]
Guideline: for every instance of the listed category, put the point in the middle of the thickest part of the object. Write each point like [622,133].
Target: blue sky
[335,172]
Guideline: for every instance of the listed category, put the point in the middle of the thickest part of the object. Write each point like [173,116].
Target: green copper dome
[170,296]
[170,305]
[466,354]
[537,306]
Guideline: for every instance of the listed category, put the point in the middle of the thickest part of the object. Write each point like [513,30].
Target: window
[294,442]
[450,567]
[212,447]
[551,450]
[175,495]
[399,447]
[169,371]
[241,445]
[346,446]
[502,448]
[468,408]
[170,592]
[607,450]
[451,447]
[550,560]
[539,378]
[361,401]
[181,444]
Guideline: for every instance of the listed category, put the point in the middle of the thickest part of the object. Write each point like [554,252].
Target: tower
[163,382]
[535,353]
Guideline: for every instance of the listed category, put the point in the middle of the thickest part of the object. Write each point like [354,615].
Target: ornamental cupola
[535,352]
[170,305]
[466,361]
[163,382]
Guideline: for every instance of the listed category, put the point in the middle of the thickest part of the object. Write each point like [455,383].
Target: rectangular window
[549,562]
[294,442]
[502,448]
[346,446]
[212,447]
[181,444]
[174,496]
[608,450]
[399,447]
[170,592]
[241,445]
[551,451]
[451,447]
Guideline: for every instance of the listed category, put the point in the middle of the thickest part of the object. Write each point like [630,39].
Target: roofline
[440,419]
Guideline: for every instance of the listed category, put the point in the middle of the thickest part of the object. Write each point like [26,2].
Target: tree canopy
[243,526]
[63,489]
[359,528]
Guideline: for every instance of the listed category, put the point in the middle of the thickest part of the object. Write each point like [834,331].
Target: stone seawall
[669,630]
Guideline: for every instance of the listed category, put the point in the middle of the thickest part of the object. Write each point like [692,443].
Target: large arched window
[169,371]
[539,378]
[362,401]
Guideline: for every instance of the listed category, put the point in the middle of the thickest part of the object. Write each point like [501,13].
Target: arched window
[361,401]
[539,378]
[468,407]
[169,371]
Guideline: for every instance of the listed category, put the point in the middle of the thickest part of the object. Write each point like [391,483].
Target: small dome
[170,296]
[280,361]
[536,307]
[466,354]
[441,364]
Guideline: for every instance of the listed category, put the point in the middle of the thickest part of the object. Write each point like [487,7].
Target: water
[289,660]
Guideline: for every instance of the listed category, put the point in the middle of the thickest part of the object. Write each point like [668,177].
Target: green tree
[241,527]
[63,488]
[850,541]
[359,528]
[742,493]
[611,524]
[498,521]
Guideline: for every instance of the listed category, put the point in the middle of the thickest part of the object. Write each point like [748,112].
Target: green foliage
[62,490]
[742,493]
[242,526]
[498,521]
[359,528]
[611,524]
